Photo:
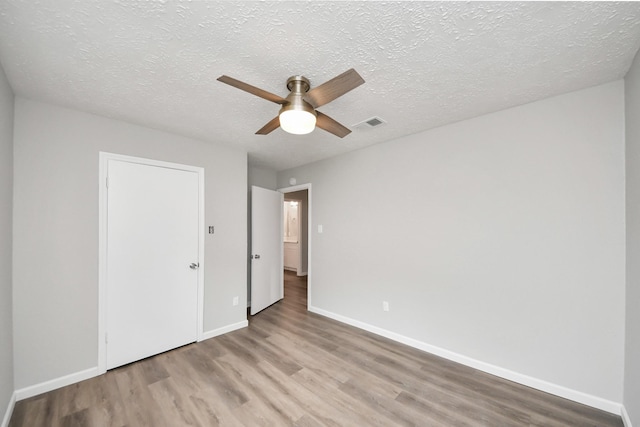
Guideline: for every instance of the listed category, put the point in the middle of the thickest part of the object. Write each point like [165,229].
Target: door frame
[292,189]
[104,159]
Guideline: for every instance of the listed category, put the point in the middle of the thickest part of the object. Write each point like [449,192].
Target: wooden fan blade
[270,127]
[327,123]
[334,88]
[252,89]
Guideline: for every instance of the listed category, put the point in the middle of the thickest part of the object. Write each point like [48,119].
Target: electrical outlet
[235,300]
[385,305]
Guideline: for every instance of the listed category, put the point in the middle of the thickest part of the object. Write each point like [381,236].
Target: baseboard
[9,411]
[558,390]
[224,330]
[46,386]
[301,274]
[56,383]
[625,417]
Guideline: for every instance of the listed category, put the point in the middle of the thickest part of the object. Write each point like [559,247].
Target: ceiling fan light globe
[297,122]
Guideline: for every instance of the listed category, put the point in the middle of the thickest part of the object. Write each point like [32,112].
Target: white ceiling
[425,64]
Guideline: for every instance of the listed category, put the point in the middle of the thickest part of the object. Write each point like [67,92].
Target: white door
[152,242]
[267,285]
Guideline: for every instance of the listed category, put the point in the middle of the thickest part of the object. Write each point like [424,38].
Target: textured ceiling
[425,64]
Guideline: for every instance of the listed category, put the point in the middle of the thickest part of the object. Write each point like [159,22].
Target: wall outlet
[385,305]
[235,300]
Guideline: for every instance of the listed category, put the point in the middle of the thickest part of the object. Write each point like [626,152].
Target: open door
[267,285]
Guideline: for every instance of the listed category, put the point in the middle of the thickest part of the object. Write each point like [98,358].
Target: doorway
[297,248]
[295,232]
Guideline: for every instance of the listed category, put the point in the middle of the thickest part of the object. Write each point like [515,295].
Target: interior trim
[223,330]
[626,420]
[9,411]
[56,383]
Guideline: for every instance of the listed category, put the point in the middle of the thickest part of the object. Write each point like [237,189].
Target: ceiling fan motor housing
[299,86]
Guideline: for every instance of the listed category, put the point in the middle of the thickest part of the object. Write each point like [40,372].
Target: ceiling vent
[369,123]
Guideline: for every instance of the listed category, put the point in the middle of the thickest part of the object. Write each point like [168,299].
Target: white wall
[6,210]
[56,231]
[499,238]
[261,177]
[632,356]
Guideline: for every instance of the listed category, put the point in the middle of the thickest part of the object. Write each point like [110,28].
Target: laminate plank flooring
[295,368]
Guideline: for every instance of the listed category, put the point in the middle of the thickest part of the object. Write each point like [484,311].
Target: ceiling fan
[298,114]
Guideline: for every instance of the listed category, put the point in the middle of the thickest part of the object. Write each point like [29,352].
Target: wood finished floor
[294,368]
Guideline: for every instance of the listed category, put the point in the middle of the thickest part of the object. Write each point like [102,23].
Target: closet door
[152,260]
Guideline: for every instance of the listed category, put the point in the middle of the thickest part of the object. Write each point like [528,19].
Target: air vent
[369,123]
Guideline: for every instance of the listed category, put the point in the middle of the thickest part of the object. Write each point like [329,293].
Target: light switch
[320,229]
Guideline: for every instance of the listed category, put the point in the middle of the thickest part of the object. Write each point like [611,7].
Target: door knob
[256,256]
[194,265]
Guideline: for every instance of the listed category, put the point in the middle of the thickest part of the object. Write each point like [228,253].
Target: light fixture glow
[297,122]
[297,116]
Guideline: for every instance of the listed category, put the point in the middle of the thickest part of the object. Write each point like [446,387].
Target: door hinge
[106,338]
[107,182]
